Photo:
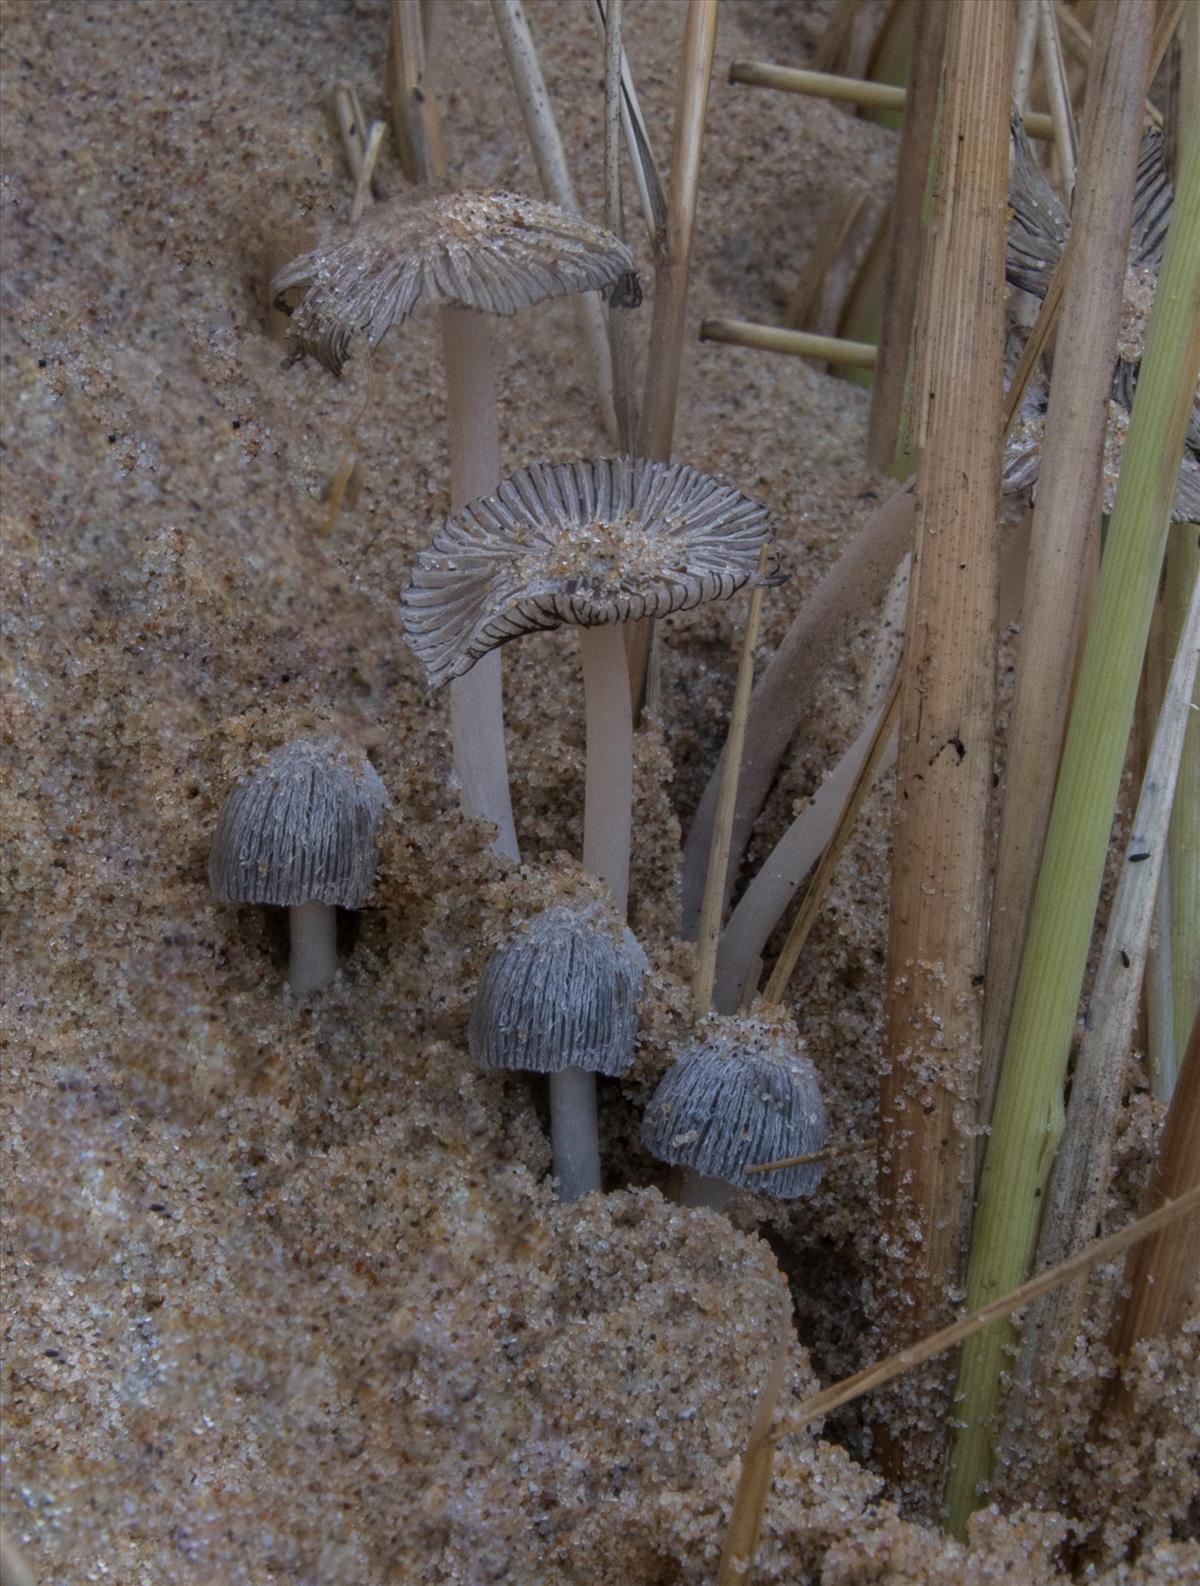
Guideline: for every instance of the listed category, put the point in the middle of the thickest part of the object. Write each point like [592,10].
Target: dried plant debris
[497,252]
[300,829]
[741,1093]
[588,543]
[562,994]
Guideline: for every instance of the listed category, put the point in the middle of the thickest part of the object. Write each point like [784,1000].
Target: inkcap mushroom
[595,544]
[741,1092]
[474,254]
[299,833]
[561,999]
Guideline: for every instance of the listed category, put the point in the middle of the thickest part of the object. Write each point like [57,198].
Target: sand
[287,1297]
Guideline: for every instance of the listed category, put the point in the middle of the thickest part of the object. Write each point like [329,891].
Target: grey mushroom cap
[740,1094]
[562,994]
[492,251]
[300,829]
[588,543]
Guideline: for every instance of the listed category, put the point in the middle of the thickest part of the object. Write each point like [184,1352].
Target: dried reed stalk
[637,144]
[909,218]
[416,126]
[1027,1117]
[796,343]
[1066,516]
[619,339]
[826,619]
[1079,44]
[805,299]
[1162,1274]
[1027,25]
[1058,89]
[754,1482]
[1183,566]
[944,774]
[525,69]
[848,90]
[1174,1215]
[830,48]
[672,269]
[1079,1181]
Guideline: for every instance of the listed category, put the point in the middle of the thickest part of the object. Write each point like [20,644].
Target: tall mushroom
[299,833]
[561,999]
[741,1093]
[593,544]
[489,252]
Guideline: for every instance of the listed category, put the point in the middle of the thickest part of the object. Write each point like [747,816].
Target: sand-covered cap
[589,543]
[562,994]
[300,829]
[492,251]
[739,1094]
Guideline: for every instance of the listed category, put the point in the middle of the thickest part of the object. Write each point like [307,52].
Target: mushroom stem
[573,1134]
[608,794]
[476,700]
[313,931]
[701,1189]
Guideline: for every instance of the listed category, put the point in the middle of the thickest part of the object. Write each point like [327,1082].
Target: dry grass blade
[906,242]
[847,90]
[619,339]
[525,69]
[637,142]
[415,123]
[829,1153]
[1078,42]
[1161,1275]
[815,896]
[937,932]
[754,1483]
[1066,516]
[843,598]
[796,343]
[718,860]
[1027,23]
[805,299]
[830,48]
[1055,72]
[837,1394]
[1080,1180]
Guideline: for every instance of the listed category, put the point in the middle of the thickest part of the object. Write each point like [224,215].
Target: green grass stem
[1028,1115]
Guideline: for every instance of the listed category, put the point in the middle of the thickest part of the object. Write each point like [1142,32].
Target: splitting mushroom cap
[300,829]
[492,251]
[587,543]
[740,1094]
[562,994]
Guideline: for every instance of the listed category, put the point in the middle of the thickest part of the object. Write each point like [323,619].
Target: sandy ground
[286,1296]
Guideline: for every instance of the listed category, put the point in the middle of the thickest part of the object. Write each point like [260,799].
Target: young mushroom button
[300,833]
[740,1094]
[561,999]
[594,544]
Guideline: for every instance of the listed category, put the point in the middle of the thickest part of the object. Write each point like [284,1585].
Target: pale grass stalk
[352,129]
[1163,1273]
[754,1481]
[830,48]
[704,973]
[848,90]
[828,1153]
[805,299]
[1183,564]
[941,850]
[1027,30]
[910,216]
[619,338]
[826,619]
[1069,500]
[1027,1117]
[672,270]
[416,126]
[1058,90]
[1078,42]
[1172,1217]
[796,343]
[1080,1180]
[366,172]
[525,69]
[637,143]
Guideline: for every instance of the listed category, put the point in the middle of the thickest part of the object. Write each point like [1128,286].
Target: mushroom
[561,999]
[493,252]
[741,1093]
[299,833]
[594,544]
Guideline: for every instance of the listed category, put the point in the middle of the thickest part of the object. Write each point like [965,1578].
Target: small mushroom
[593,544]
[561,999]
[475,254]
[741,1093]
[299,833]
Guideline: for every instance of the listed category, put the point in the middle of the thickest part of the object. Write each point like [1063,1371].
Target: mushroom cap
[300,829]
[562,994]
[587,543]
[492,251]
[740,1093]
